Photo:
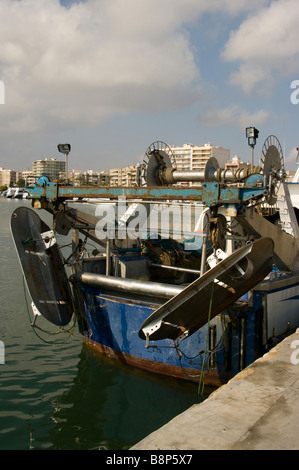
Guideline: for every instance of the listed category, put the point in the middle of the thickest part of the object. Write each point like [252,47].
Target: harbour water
[65,396]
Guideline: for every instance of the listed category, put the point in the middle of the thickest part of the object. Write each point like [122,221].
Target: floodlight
[252,134]
[64,148]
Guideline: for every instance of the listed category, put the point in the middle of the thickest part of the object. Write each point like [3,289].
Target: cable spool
[272,163]
[157,158]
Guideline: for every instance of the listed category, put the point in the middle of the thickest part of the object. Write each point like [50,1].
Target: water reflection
[111,406]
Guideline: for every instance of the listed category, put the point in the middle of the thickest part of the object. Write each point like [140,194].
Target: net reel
[273,168]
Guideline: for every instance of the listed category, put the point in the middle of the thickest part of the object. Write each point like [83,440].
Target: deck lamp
[65,148]
[252,134]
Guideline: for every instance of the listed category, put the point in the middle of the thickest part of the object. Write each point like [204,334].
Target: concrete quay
[256,410]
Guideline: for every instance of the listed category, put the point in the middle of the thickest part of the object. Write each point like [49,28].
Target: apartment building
[194,157]
[89,177]
[123,176]
[28,176]
[7,177]
[50,167]
[115,176]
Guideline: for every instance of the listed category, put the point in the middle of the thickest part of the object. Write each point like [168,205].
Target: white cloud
[92,60]
[232,115]
[265,44]
[99,58]
[292,156]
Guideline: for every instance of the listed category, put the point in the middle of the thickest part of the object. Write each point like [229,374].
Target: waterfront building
[50,167]
[77,177]
[7,177]
[104,179]
[126,176]
[89,177]
[195,157]
[28,176]
[115,176]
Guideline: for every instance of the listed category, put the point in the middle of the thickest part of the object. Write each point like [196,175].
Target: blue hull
[234,339]
[112,324]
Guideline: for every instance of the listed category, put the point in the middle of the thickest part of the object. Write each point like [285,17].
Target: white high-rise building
[194,157]
[50,167]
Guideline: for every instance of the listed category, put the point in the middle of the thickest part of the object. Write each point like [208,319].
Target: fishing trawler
[192,282]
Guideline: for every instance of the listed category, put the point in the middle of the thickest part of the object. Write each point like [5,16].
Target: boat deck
[257,410]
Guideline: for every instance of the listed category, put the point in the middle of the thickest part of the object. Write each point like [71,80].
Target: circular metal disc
[152,178]
[272,156]
[210,168]
[150,164]
[272,161]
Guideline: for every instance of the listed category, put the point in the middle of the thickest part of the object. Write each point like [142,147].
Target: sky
[112,76]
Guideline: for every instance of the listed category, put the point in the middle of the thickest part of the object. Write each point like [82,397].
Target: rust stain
[212,378]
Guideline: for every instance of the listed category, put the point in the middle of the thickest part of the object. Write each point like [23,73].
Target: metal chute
[230,279]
